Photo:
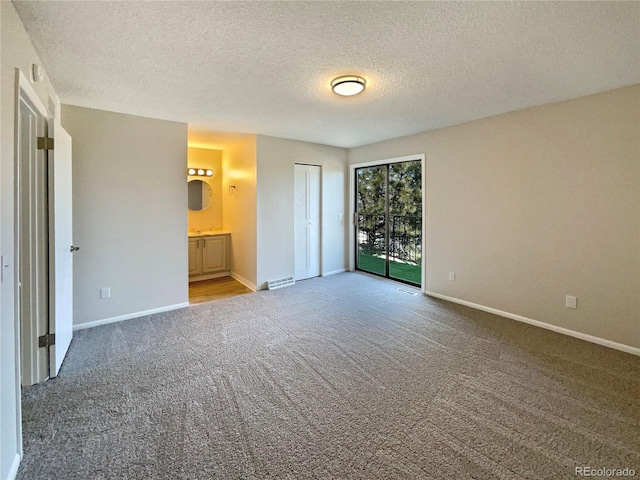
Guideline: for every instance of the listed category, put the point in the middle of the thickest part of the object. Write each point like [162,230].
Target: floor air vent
[283,282]
[407,291]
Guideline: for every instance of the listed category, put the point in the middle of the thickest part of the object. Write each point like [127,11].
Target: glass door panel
[405,221]
[371,193]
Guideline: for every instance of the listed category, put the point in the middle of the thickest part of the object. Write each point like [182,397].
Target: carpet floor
[338,377]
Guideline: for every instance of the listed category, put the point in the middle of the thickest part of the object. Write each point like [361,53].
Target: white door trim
[23,92]
[352,206]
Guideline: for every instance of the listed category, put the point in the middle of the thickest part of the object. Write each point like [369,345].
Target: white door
[307,221]
[32,245]
[60,246]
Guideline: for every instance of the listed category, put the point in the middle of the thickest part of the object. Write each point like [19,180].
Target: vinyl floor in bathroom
[215,289]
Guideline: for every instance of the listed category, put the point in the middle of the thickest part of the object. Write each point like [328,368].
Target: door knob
[74,249]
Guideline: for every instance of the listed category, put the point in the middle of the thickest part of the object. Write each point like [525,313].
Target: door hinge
[47,340]
[45,143]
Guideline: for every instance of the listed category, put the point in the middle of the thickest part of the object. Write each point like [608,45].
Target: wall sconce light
[200,172]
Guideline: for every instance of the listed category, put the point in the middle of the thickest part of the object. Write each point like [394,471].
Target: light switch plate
[571,302]
[5,264]
[105,292]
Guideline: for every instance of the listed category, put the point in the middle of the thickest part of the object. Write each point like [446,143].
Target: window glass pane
[371,197]
[405,221]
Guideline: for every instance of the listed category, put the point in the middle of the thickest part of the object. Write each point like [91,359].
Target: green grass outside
[402,271]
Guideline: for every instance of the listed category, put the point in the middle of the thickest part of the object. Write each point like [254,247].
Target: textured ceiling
[265,67]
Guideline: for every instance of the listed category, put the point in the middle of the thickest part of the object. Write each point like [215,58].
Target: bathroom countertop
[208,233]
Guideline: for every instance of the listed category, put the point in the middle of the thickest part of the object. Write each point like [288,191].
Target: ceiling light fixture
[348,85]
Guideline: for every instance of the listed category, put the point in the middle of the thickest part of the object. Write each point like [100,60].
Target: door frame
[352,207]
[24,93]
[320,220]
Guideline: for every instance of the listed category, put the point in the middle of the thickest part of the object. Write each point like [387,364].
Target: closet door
[307,221]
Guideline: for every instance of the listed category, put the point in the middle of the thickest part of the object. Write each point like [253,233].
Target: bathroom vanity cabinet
[208,256]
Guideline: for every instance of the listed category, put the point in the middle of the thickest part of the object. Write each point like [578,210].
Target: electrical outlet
[452,276]
[571,302]
[105,292]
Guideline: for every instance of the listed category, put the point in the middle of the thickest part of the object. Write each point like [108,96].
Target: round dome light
[348,85]
[192,171]
[209,173]
[200,172]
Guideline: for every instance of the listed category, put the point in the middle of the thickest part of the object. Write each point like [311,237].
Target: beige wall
[239,206]
[129,213]
[276,160]
[16,52]
[533,205]
[211,217]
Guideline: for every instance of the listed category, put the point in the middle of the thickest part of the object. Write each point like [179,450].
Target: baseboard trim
[13,471]
[334,272]
[547,326]
[210,276]
[129,316]
[244,281]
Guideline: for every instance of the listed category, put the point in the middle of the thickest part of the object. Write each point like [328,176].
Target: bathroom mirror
[200,195]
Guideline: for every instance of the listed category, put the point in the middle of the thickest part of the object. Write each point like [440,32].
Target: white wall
[239,206]
[129,213]
[16,52]
[276,160]
[530,206]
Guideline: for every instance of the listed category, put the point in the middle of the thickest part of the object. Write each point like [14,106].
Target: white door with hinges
[307,221]
[61,247]
[32,256]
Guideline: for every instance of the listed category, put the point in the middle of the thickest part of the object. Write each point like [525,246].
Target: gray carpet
[337,377]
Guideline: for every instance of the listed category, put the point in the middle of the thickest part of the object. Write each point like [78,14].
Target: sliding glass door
[389,220]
